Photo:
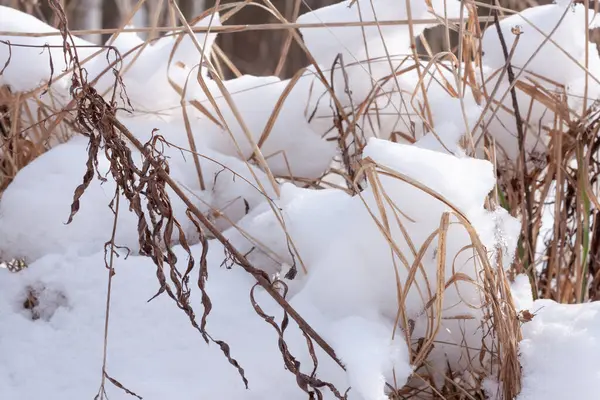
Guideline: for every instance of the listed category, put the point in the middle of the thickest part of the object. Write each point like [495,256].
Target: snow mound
[33,60]
[549,62]
[344,239]
[560,347]
[32,226]
[559,352]
[358,310]
[152,348]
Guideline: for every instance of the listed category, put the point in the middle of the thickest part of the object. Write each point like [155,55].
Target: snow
[360,304]
[366,51]
[555,65]
[57,173]
[367,260]
[535,24]
[35,65]
[365,348]
[560,347]
[562,340]
[355,242]
[291,140]
[153,350]
[142,65]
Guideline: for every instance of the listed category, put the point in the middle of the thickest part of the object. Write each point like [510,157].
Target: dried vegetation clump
[563,180]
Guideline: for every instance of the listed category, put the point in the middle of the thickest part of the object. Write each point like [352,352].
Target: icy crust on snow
[560,348]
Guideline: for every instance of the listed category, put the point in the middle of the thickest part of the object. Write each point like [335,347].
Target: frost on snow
[368,266]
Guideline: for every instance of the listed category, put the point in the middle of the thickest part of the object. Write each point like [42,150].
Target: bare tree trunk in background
[191,8]
[115,12]
[253,52]
[31,7]
[111,17]
[85,14]
[258,52]
[154,8]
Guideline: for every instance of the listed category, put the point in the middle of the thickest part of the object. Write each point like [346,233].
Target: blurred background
[253,52]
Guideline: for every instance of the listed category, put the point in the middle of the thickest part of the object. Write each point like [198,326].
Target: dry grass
[566,180]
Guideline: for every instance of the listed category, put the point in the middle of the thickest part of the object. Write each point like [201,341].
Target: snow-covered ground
[560,347]
[408,237]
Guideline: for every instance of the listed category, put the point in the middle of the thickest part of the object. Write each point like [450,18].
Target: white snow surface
[32,66]
[348,273]
[360,311]
[559,352]
[152,349]
[556,65]
[560,348]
